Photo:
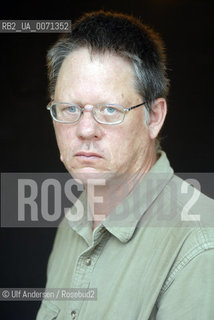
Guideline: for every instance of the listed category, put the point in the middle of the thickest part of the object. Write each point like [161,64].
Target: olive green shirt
[147,264]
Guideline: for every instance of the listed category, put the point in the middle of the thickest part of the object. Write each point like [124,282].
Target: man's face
[88,148]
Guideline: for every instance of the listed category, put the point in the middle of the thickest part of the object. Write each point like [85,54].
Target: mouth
[88,156]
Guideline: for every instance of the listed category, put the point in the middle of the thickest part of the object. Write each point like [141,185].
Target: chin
[90,175]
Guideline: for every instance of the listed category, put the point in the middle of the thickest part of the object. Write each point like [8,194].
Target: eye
[110,110]
[71,109]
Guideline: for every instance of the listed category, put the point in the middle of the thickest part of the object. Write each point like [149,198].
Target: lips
[88,155]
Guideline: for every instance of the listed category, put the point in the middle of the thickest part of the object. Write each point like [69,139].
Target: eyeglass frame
[82,109]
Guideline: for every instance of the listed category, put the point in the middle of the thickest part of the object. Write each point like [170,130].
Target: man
[134,242]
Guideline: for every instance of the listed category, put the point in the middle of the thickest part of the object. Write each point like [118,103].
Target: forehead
[82,57]
[95,74]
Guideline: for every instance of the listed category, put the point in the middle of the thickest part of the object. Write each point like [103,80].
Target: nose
[87,127]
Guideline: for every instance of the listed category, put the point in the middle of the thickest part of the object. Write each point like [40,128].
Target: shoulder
[189,205]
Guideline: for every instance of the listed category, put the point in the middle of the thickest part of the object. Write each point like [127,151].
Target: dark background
[26,134]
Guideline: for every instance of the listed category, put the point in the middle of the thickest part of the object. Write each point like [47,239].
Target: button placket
[85,264]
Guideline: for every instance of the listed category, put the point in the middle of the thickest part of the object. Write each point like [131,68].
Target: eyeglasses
[102,113]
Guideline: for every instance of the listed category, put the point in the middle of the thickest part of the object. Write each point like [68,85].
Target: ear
[157,117]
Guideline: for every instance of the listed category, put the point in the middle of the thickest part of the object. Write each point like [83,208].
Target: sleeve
[191,294]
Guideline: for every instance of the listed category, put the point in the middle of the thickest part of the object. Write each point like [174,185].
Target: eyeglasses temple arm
[138,105]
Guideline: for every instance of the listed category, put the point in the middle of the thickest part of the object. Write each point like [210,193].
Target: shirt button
[73,314]
[88,261]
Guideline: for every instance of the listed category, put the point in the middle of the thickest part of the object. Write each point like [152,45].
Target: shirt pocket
[48,311]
